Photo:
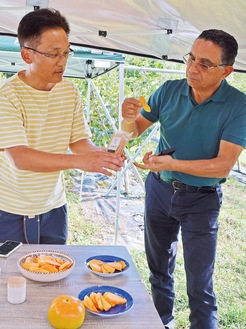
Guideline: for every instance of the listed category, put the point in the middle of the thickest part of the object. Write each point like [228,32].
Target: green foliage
[5,75]
[80,231]
[238,81]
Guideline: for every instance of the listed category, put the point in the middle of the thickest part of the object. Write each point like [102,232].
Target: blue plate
[116,310]
[107,259]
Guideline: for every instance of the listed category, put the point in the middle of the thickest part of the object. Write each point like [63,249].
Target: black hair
[33,24]
[225,41]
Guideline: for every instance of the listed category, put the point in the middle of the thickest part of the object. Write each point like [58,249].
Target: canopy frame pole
[88,100]
[119,174]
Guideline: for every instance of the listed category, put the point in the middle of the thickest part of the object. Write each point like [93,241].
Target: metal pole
[121,98]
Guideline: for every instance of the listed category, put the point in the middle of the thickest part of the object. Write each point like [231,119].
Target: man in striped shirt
[41,118]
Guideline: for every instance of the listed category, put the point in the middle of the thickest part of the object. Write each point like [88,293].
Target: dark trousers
[53,226]
[196,214]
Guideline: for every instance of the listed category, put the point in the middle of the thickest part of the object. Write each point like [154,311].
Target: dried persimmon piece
[144,104]
[123,264]
[105,304]
[65,266]
[89,304]
[116,265]
[49,268]
[38,270]
[27,265]
[114,299]
[107,269]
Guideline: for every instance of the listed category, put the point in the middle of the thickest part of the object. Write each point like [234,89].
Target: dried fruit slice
[100,304]
[65,266]
[144,104]
[97,298]
[38,270]
[95,261]
[96,267]
[114,299]
[107,269]
[49,268]
[123,264]
[115,265]
[105,304]
[89,304]
[93,296]
[30,259]
[28,265]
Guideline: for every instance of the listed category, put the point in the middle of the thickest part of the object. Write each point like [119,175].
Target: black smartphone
[167,151]
[8,247]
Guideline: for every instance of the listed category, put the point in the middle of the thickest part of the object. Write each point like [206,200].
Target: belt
[177,185]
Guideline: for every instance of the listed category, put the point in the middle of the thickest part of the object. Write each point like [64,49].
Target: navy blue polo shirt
[195,130]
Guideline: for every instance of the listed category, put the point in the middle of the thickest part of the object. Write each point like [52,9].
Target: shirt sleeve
[235,131]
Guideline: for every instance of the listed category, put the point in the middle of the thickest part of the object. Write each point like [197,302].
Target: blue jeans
[196,214]
[53,226]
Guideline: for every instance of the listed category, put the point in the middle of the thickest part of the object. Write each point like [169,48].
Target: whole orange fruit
[66,312]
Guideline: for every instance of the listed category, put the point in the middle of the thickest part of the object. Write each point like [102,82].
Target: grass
[229,278]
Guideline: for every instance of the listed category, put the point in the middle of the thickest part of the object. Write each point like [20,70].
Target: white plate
[46,277]
[107,259]
[114,311]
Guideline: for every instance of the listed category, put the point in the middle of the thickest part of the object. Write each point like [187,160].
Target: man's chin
[58,76]
[191,82]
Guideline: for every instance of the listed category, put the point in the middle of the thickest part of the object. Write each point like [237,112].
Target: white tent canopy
[163,29]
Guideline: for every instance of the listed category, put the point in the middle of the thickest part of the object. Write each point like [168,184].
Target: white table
[33,312]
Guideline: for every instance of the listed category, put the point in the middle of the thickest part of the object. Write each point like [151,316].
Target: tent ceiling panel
[153,28]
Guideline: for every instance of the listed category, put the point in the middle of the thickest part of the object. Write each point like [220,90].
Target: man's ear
[228,70]
[26,55]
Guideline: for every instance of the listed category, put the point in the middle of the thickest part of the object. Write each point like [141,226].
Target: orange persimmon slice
[116,265]
[114,299]
[105,304]
[64,266]
[89,304]
[107,269]
[49,268]
[123,264]
[96,267]
[144,104]
[38,270]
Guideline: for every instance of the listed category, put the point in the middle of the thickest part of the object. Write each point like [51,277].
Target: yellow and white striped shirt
[44,120]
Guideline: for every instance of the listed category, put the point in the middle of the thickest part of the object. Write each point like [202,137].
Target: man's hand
[100,161]
[130,109]
[133,121]
[155,162]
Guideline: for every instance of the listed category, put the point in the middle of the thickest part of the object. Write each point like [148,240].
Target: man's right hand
[130,109]
[100,161]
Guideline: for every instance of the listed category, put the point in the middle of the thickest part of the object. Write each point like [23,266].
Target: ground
[123,226]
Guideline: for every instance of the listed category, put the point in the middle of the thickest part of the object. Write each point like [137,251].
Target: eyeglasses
[65,55]
[202,66]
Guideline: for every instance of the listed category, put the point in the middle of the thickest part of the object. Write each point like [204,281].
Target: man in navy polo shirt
[204,119]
